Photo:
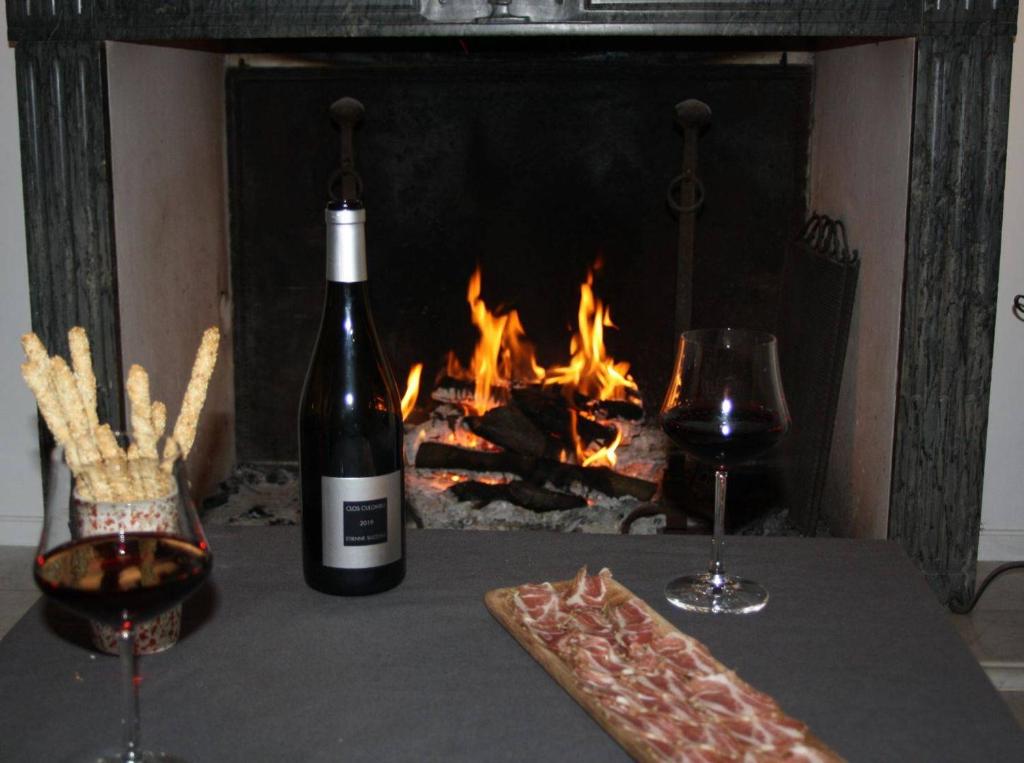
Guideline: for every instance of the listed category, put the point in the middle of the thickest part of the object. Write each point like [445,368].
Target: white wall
[21,508]
[860,163]
[167,133]
[1002,513]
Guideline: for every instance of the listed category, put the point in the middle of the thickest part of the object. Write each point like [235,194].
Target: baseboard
[1001,546]
[1005,676]
[20,530]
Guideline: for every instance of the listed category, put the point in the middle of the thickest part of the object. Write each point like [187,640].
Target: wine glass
[118,576]
[723,406]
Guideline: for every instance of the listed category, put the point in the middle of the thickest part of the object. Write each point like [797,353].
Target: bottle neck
[346,245]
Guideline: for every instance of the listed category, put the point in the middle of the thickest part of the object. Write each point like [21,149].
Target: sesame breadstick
[36,374]
[34,349]
[81,362]
[158,413]
[115,464]
[96,480]
[82,439]
[135,476]
[171,454]
[142,425]
[151,467]
[74,412]
[195,395]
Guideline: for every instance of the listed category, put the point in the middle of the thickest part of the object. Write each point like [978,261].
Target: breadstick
[151,469]
[97,481]
[171,453]
[159,418]
[142,425]
[195,395]
[115,464]
[36,374]
[34,349]
[74,413]
[135,479]
[81,362]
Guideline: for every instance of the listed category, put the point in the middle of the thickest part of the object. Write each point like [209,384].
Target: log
[520,493]
[436,455]
[618,409]
[546,407]
[509,428]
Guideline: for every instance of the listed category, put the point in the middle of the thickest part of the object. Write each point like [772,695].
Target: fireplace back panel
[533,167]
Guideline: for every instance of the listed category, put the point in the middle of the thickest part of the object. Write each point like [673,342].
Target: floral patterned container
[150,515]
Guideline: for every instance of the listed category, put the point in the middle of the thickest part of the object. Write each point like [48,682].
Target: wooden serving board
[501,604]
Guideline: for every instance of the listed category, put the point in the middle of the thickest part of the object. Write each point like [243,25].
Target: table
[852,642]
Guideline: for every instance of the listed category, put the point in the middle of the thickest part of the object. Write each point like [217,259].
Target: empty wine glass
[723,406]
[117,576]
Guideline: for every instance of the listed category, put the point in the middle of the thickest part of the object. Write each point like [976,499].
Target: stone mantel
[954,207]
[80,20]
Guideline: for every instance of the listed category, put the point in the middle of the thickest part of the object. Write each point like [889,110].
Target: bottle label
[362,520]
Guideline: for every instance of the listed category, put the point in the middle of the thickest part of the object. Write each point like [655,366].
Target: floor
[994,630]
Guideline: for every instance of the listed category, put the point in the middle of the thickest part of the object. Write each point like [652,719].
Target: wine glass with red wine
[724,405]
[119,576]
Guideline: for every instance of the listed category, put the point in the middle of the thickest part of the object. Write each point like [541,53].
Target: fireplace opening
[538,178]
[556,218]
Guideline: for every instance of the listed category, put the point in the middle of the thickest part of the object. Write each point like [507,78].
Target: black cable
[961,609]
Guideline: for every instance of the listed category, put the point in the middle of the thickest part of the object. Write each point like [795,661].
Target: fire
[591,370]
[412,390]
[502,354]
[602,456]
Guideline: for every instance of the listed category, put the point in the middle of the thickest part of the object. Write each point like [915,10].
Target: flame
[591,370]
[412,390]
[519,358]
[605,456]
[503,356]
[502,353]
[602,456]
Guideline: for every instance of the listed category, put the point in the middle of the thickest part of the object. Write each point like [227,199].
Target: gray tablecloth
[852,642]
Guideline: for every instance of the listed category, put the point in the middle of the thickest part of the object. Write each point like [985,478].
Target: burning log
[509,428]
[521,493]
[616,409]
[435,455]
[546,407]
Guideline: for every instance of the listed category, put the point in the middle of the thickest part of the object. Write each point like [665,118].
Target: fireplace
[86,194]
[540,177]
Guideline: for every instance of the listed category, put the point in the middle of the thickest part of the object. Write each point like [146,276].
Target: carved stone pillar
[69,225]
[954,221]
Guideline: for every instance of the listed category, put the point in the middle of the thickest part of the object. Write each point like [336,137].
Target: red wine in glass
[724,405]
[722,433]
[116,578]
[122,574]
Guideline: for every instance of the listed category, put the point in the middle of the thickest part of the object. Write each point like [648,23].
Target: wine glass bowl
[121,564]
[724,405]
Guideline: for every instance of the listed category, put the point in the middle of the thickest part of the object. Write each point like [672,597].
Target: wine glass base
[707,593]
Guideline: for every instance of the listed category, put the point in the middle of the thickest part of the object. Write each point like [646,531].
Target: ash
[641,455]
[267,494]
[256,494]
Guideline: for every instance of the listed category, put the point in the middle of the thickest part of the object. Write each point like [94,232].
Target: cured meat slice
[765,731]
[592,622]
[588,590]
[724,694]
[687,655]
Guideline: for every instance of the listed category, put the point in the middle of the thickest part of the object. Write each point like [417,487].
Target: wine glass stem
[717,569]
[129,696]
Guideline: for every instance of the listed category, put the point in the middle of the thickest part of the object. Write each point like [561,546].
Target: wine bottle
[350,427]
